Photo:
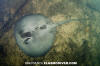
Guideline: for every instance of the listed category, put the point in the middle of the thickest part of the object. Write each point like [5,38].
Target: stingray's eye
[27,34]
[43,27]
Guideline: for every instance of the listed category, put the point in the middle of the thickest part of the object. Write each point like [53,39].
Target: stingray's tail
[67,21]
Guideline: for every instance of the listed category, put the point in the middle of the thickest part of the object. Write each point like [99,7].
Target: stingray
[35,34]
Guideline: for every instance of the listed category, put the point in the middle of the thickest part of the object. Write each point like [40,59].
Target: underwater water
[77,41]
[94,4]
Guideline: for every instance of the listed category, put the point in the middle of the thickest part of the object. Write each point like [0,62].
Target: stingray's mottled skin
[35,34]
